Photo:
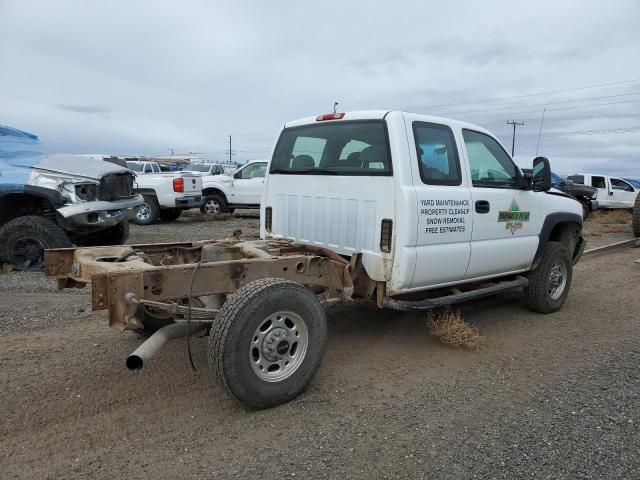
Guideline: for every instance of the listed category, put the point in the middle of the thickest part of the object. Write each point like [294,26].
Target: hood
[78,165]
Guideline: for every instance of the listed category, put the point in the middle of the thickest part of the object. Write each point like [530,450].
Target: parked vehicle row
[613,192]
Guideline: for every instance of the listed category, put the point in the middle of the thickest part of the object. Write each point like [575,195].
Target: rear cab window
[350,148]
[579,179]
[438,160]
[598,182]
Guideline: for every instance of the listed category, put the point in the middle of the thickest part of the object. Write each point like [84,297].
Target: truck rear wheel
[549,283]
[147,213]
[23,241]
[267,342]
[636,217]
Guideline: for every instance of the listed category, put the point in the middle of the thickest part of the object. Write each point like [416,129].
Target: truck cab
[242,189]
[426,202]
[613,192]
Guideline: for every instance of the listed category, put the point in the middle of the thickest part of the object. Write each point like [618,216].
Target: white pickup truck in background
[613,192]
[165,194]
[243,189]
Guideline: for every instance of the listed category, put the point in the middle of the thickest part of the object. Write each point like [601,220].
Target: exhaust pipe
[150,347]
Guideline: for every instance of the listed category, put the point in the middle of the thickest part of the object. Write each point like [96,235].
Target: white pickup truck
[243,189]
[409,211]
[612,192]
[165,194]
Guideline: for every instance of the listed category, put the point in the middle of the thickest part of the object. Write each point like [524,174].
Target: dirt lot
[553,396]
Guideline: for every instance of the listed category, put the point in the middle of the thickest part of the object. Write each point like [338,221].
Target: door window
[437,154]
[617,184]
[255,170]
[490,165]
[598,182]
[156,167]
[147,168]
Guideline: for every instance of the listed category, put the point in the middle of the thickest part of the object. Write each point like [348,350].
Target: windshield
[337,148]
[197,168]
[634,182]
[136,167]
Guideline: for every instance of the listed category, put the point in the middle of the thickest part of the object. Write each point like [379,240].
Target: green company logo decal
[514,217]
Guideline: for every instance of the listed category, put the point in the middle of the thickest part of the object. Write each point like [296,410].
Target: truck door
[443,203]
[248,183]
[604,192]
[506,220]
[624,195]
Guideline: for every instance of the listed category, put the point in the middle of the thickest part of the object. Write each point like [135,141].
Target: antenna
[540,132]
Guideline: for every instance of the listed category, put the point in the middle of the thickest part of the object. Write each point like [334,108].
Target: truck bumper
[192,201]
[98,214]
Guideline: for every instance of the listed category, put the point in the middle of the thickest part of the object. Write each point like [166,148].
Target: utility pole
[513,140]
[230,149]
[171,150]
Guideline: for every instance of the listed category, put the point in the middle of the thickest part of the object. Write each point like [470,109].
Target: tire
[116,235]
[262,324]
[636,217]
[23,241]
[539,294]
[214,204]
[170,214]
[586,210]
[148,213]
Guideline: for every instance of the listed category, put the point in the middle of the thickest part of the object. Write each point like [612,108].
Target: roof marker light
[329,116]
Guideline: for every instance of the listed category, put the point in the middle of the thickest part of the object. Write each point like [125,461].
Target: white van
[613,192]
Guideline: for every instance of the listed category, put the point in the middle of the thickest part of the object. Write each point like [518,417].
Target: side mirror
[541,181]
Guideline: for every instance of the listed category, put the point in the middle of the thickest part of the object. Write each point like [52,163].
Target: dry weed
[207,217]
[6,268]
[451,330]
[608,217]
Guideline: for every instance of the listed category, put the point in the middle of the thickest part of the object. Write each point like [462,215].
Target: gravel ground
[554,396]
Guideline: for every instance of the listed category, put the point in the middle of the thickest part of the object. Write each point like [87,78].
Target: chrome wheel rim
[278,346]
[212,207]
[144,212]
[557,279]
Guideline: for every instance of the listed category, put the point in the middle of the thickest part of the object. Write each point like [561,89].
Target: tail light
[178,184]
[386,232]
[329,116]
[267,219]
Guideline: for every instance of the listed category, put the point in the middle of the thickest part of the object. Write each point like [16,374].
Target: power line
[553,109]
[549,92]
[586,99]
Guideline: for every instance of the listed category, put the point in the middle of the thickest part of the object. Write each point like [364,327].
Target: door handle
[482,206]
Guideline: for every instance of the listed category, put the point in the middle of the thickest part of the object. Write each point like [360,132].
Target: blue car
[53,201]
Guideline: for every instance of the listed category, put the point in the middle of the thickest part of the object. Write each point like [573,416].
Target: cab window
[598,182]
[490,165]
[147,168]
[617,184]
[437,155]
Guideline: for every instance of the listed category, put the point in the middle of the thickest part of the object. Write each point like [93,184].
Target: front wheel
[267,342]
[23,241]
[549,283]
[213,205]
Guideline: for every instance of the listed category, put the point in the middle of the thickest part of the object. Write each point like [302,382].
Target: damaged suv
[54,201]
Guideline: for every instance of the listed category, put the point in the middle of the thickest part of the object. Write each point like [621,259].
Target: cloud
[145,76]
[83,108]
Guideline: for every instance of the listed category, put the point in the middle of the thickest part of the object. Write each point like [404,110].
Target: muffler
[150,347]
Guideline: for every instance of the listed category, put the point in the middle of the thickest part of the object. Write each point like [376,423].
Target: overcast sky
[146,76]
